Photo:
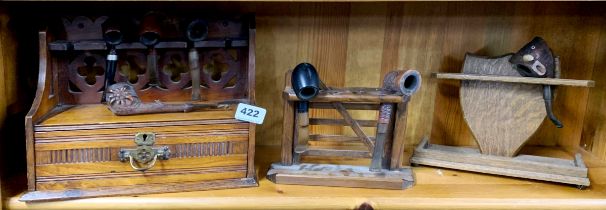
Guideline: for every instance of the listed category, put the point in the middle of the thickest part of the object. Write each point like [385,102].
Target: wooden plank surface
[127,140]
[174,129]
[435,189]
[505,28]
[8,88]
[469,156]
[135,190]
[593,137]
[340,176]
[362,123]
[341,95]
[99,114]
[288,126]
[115,166]
[140,179]
[509,79]
[430,37]
[502,116]
[347,151]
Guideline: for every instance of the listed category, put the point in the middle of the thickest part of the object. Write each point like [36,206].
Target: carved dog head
[535,59]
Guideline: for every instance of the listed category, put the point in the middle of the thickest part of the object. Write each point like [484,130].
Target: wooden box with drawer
[76,145]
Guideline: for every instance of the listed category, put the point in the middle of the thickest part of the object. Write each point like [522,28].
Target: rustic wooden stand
[386,149]
[503,110]
[76,147]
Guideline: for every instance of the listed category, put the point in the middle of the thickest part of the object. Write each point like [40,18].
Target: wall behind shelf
[373,38]
[355,44]
[13,105]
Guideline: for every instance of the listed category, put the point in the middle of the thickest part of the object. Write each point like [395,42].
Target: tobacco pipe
[149,35]
[306,84]
[197,30]
[122,99]
[112,35]
[535,59]
[405,82]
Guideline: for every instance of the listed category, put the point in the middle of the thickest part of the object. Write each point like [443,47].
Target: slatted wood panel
[433,37]
[568,27]
[7,73]
[344,41]
[435,189]
[594,125]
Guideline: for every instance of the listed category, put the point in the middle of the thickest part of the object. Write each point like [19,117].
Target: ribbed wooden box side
[80,155]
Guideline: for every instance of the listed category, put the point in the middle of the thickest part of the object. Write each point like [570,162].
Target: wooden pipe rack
[495,103]
[385,170]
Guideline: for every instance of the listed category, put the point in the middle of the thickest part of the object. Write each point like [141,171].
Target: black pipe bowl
[305,81]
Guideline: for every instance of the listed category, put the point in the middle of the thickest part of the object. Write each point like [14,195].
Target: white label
[112,57]
[250,113]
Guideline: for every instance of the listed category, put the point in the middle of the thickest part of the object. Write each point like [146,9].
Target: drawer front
[89,158]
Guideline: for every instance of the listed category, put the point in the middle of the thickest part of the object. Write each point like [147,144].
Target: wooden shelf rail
[509,79]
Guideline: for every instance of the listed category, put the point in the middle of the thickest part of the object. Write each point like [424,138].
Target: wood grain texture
[434,189]
[85,84]
[137,189]
[502,116]
[358,151]
[340,176]
[99,114]
[115,165]
[593,137]
[8,87]
[505,30]
[295,33]
[76,152]
[323,42]
[355,106]
[422,45]
[44,102]
[529,167]
[362,123]
[366,31]
[165,177]
[73,145]
[288,126]
[508,79]
[431,37]
[398,158]
[251,82]
[354,95]
[59,132]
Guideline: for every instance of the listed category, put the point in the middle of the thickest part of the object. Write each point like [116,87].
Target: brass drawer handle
[144,154]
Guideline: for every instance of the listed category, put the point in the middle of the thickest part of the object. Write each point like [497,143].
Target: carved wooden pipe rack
[485,114]
[386,149]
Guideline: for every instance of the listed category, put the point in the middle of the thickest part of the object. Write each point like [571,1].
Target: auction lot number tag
[250,113]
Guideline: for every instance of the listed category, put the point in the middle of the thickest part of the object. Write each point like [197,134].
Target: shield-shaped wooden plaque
[502,116]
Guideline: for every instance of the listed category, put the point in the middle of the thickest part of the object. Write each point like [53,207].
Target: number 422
[250,112]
